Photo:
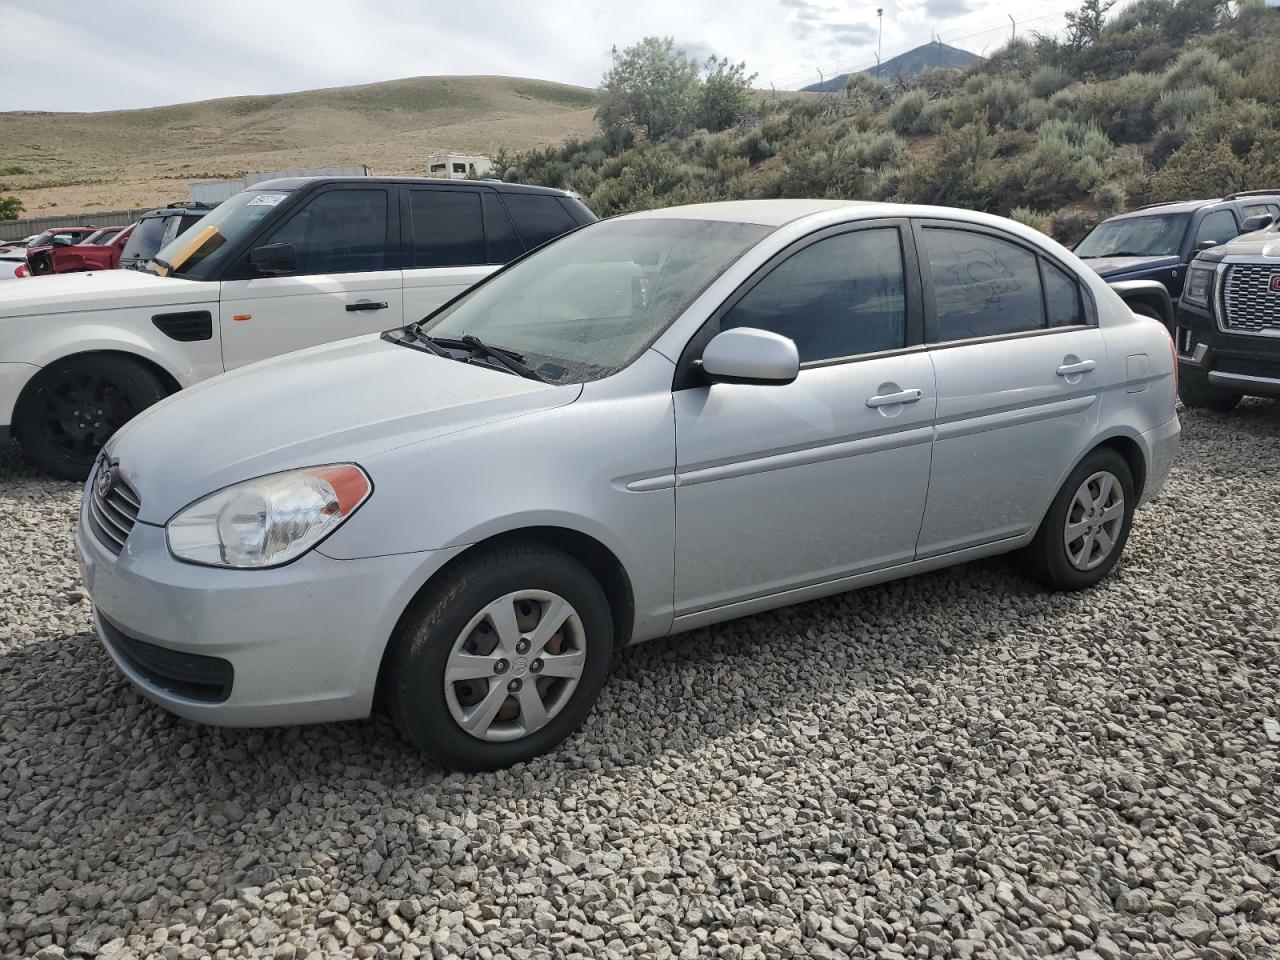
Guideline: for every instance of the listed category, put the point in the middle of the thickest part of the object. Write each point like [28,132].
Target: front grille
[1249,303]
[189,675]
[113,507]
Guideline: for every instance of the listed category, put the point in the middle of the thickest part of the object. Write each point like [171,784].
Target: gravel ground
[957,765]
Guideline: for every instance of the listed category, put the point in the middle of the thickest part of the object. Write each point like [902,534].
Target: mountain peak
[927,56]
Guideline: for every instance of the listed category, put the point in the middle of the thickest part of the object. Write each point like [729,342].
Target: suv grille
[113,507]
[1249,303]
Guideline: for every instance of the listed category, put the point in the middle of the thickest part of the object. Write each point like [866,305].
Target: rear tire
[1087,525]
[1205,397]
[73,406]
[518,697]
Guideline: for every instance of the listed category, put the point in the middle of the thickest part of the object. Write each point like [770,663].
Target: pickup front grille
[113,507]
[1249,302]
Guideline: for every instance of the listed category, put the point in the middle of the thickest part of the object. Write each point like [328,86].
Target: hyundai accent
[654,423]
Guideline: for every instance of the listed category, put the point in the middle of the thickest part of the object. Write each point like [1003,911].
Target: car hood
[339,402]
[1259,244]
[1116,266]
[98,290]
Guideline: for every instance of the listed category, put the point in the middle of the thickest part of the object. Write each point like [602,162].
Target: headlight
[268,521]
[1199,283]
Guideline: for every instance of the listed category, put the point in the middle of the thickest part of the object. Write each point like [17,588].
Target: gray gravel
[959,765]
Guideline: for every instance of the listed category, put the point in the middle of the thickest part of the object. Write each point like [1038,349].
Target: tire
[1049,559]
[73,406]
[1204,397]
[454,620]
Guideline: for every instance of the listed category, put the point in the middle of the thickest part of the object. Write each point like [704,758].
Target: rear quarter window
[538,217]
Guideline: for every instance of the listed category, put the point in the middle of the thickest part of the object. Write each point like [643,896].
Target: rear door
[455,236]
[347,281]
[1019,364]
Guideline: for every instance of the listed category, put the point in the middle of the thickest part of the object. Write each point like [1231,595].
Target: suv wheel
[503,659]
[1085,530]
[1205,397]
[73,406]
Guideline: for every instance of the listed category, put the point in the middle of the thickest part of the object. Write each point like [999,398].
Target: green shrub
[960,172]
[876,149]
[1069,226]
[1185,108]
[884,183]
[1110,199]
[1202,68]
[819,167]
[939,82]
[1199,168]
[11,208]
[1129,170]
[1048,80]
[905,114]
[866,89]
[935,115]
[756,147]
[1002,100]
[12,170]
[1065,163]
[1033,219]
[1124,107]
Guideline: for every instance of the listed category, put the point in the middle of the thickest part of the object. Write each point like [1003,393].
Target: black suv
[1158,241]
[1228,333]
[155,228]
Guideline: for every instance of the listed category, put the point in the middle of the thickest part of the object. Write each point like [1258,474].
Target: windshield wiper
[505,358]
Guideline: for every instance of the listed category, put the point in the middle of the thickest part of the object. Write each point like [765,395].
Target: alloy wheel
[1094,520]
[78,412]
[515,665]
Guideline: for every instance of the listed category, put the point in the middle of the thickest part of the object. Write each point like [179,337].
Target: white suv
[283,265]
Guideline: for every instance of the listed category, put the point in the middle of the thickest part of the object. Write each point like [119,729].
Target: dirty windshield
[1157,235]
[206,243]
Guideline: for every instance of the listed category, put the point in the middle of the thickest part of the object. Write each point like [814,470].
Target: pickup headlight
[269,521]
[1199,283]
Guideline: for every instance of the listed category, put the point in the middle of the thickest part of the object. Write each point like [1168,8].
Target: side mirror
[274,258]
[747,355]
[1207,244]
[62,240]
[1256,222]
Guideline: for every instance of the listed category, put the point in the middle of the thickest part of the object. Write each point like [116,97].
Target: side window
[839,297]
[339,231]
[447,229]
[500,234]
[539,218]
[982,286]
[1061,296]
[1217,227]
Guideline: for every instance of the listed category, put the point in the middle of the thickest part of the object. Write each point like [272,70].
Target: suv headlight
[1199,283]
[269,521]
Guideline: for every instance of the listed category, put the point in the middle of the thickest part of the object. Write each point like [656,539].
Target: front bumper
[300,643]
[1208,357]
[13,378]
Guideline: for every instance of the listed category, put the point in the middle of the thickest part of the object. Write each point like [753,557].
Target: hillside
[83,161]
[927,56]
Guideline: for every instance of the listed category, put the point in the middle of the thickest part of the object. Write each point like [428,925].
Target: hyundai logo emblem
[106,480]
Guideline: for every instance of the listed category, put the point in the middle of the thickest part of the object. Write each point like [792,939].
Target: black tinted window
[1062,296]
[839,297]
[538,218]
[339,231]
[982,286]
[1217,227]
[447,230]
[500,235]
[146,239]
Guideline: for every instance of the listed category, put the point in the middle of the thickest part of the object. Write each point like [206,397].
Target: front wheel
[73,406]
[501,660]
[1087,526]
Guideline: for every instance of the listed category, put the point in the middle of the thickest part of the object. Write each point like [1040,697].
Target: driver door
[780,487]
[347,280]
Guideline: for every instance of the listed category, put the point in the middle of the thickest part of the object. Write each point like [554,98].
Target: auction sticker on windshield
[267,199]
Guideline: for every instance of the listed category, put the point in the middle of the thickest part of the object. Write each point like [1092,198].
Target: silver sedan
[655,423]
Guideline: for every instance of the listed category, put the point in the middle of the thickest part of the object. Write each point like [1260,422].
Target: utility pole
[880,32]
[1013,34]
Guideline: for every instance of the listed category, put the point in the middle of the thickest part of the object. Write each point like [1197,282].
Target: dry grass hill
[85,161]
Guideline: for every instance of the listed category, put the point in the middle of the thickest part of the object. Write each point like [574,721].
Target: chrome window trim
[1017,335]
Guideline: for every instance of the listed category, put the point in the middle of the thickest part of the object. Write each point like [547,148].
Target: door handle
[889,399]
[1082,366]
[367,305]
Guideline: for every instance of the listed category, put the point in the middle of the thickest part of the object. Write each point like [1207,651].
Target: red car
[98,251]
[40,247]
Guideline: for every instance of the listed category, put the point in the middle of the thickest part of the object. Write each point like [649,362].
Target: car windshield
[589,303]
[1154,235]
[215,233]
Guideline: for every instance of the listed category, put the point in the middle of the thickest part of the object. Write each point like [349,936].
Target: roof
[769,213]
[296,183]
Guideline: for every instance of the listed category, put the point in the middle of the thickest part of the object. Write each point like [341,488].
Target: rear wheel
[1087,526]
[1205,397]
[73,406]
[503,659]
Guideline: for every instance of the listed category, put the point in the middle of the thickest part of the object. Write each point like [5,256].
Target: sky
[88,55]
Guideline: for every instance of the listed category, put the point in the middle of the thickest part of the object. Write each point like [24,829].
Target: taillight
[22,271]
